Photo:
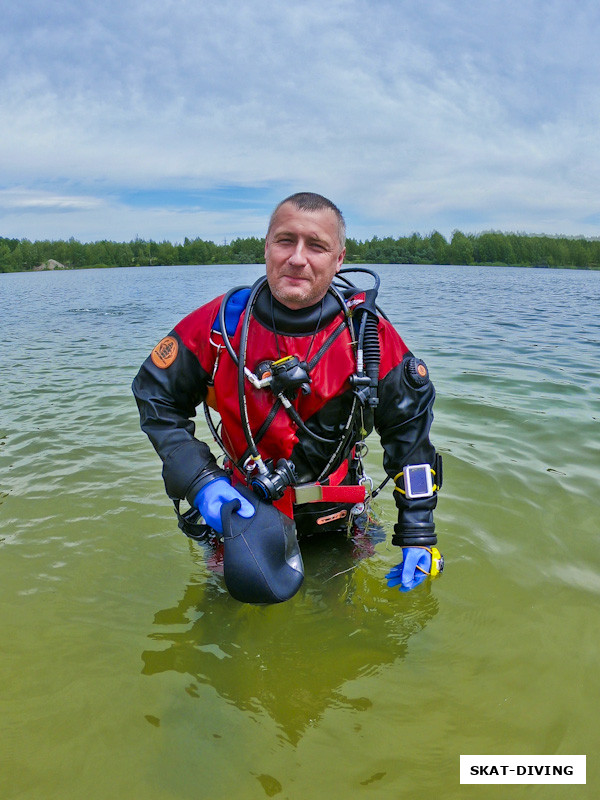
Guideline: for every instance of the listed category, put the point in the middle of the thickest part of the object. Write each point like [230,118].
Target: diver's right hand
[215,494]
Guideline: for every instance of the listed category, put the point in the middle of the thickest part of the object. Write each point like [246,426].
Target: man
[300,371]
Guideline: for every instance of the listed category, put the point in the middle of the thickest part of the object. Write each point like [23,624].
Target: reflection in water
[291,661]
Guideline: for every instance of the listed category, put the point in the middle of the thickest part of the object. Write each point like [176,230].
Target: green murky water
[127,670]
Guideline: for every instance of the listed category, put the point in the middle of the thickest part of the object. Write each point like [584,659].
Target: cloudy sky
[171,118]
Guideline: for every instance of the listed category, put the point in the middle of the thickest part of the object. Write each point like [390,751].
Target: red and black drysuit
[178,376]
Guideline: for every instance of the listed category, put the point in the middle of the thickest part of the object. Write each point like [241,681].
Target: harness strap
[317,493]
[326,344]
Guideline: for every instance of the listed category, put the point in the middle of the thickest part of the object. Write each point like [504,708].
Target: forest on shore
[489,248]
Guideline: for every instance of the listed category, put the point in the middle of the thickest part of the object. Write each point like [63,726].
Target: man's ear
[340,260]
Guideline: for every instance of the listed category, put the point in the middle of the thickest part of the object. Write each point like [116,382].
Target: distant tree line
[18,255]
[490,248]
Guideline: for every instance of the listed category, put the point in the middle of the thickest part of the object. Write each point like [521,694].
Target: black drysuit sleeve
[167,399]
[403,420]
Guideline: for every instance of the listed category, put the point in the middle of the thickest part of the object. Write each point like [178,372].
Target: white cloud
[15,200]
[412,116]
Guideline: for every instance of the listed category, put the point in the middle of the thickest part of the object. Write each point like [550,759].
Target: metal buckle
[308,493]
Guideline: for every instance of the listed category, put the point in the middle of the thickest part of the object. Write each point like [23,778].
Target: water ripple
[115,620]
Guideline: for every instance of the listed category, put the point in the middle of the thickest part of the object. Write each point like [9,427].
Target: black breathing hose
[372,354]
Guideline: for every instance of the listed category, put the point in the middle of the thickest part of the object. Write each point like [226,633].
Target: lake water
[129,672]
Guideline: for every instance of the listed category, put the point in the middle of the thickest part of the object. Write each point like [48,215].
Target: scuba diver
[300,367]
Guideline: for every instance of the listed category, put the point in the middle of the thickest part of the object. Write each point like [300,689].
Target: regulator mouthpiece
[288,375]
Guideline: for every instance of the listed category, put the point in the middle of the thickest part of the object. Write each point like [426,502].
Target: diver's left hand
[412,571]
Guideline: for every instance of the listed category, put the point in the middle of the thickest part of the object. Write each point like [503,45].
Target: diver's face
[302,255]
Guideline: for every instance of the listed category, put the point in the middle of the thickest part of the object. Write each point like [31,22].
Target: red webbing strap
[338,475]
[316,493]
[343,494]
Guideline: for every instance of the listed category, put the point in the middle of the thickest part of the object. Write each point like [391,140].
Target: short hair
[310,201]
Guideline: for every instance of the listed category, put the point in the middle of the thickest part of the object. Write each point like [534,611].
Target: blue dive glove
[417,564]
[213,495]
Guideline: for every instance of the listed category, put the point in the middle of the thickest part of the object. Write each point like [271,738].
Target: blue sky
[171,118]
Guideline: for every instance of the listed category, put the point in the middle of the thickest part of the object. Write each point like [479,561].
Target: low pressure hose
[241,363]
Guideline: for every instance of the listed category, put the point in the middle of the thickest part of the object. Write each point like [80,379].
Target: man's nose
[298,257]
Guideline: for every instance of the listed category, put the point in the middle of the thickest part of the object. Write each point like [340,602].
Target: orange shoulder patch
[165,352]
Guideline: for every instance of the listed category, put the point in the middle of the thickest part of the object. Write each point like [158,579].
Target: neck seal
[276,317]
